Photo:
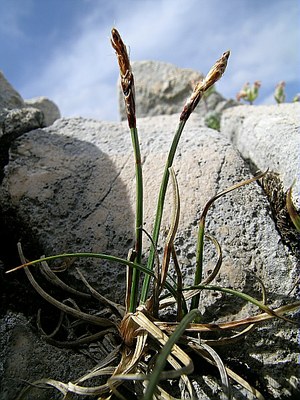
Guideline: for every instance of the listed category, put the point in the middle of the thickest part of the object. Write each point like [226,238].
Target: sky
[61,48]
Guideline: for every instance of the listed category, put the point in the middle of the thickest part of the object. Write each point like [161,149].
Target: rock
[73,186]
[48,107]
[163,88]
[17,121]
[9,97]
[224,104]
[26,357]
[18,117]
[72,163]
[267,136]
[13,123]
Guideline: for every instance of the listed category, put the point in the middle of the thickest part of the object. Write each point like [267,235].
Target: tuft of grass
[152,351]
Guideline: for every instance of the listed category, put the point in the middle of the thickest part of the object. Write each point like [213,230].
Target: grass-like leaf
[201,232]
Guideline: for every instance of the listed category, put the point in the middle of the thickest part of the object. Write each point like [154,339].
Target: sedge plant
[151,351]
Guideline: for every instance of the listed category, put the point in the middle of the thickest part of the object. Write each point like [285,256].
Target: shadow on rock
[60,195]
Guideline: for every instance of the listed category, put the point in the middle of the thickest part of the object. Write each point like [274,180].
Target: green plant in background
[279,94]
[249,93]
[149,351]
[212,120]
[296,98]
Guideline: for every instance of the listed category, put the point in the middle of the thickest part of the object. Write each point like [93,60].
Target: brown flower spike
[211,78]
[127,81]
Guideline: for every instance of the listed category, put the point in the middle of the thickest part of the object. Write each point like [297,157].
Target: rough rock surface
[268,136]
[18,117]
[13,123]
[15,117]
[163,88]
[9,97]
[72,186]
[17,121]
[24,356]
[48,107]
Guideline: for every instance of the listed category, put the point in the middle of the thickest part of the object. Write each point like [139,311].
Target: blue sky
[61,49]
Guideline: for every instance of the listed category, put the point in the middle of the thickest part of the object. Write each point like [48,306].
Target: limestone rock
[17,121]
[48,107]
[163,88]
[72,185]
[18,117]
[269,137]
[9,97]
[26,357]
[13,123]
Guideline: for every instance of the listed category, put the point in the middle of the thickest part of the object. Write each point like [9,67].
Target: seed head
[211,78]
[127,81]
[216,71]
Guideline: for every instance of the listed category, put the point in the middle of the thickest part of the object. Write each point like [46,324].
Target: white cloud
[81,76]
[266,49]
[77,75]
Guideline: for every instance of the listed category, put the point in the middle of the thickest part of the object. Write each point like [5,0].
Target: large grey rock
[163,88]
[73,186]
[18,117]
[17,121]
[25,357]
[13,123]
[9,97]
[48,107]
[268,136]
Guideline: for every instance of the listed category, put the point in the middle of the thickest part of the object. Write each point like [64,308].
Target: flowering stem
[138,220]
[213,75]
[127,85]
[160,206]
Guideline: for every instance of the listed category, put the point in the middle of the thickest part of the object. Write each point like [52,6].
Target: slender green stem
[200,240]
[199,261]
[200,250]
[213,75]
[139,218]
[160,206]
